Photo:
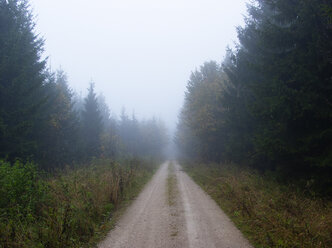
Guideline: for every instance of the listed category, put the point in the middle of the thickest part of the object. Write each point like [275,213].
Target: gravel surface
[194,220]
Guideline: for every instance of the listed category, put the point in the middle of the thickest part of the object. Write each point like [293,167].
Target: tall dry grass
[268,213]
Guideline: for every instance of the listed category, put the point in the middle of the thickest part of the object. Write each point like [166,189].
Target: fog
[138,53]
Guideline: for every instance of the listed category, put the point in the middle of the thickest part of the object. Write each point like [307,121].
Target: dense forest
[66,163]
[43,120]
[269,103]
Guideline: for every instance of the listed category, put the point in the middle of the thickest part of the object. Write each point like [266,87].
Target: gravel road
[192,220]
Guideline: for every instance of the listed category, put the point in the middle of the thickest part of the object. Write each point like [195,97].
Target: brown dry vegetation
[269,214]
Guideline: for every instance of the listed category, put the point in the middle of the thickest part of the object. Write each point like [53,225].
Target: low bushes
[67,210]
[20,190]
[269,214]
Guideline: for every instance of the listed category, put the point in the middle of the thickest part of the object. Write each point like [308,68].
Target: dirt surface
[192,220]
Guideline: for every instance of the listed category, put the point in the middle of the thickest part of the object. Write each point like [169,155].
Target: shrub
[20,191]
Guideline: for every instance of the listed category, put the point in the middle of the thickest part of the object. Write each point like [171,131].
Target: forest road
[191,219]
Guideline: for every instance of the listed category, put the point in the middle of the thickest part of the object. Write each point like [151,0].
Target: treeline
[43,120]
[269,103]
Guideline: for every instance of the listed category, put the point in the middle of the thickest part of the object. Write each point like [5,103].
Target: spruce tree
[21,80]
[59,143]
[285,49]
[91,124]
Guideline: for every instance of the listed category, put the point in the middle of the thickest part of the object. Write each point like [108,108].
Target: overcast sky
[139,53]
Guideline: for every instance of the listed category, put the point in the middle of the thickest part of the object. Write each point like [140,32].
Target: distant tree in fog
[91,123]
[61,144]
[109,136]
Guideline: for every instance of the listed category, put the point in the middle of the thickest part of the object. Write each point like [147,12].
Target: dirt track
[194,220]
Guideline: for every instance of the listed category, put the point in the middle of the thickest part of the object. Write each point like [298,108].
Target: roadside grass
[76,208]
[269,214]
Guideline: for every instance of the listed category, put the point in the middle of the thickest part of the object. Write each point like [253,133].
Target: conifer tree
[91,124]
[274,109]
[59,143]
[283,61]
[21,80]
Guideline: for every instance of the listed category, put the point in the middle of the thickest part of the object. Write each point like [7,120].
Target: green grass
[269,214]
[74,209]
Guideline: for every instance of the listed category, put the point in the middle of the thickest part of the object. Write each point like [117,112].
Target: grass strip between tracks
[171,184]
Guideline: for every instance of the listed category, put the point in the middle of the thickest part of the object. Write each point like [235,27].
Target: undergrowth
[71,209]
[269,214]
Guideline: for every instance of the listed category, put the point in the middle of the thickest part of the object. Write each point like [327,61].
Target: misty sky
[139,53]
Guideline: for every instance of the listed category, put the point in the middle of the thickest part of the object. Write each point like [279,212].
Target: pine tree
[285,48]
[59,142]
[109,136]
[21,80]
[91,124]
[274,109]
